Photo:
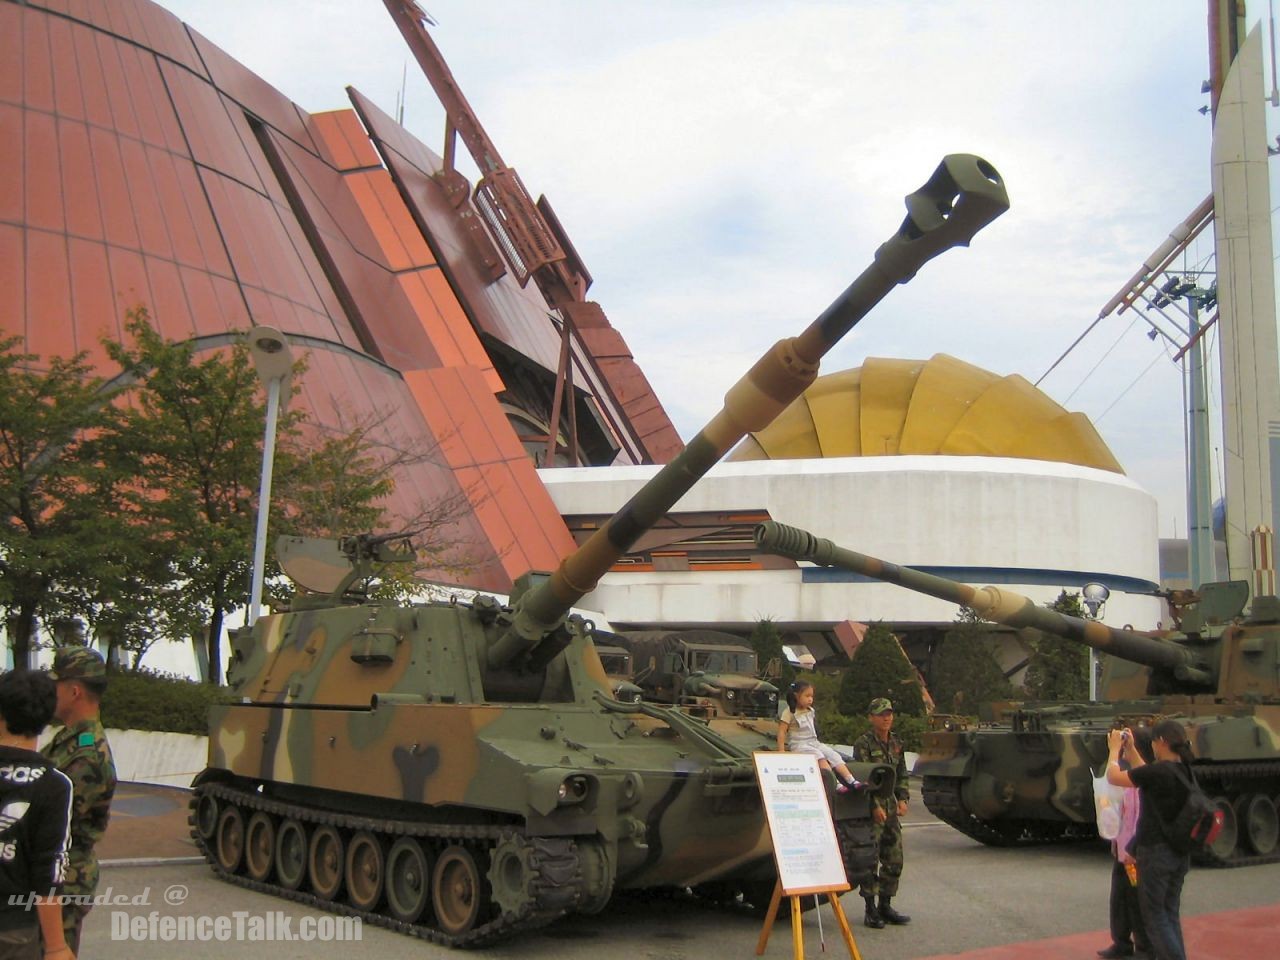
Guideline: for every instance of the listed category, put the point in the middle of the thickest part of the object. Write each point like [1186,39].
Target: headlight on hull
[572,790]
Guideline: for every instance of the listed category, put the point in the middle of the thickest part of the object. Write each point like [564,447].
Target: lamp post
[274,362]
[1094,597]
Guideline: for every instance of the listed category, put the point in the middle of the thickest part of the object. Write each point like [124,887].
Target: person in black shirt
[35,819]
[1161,869]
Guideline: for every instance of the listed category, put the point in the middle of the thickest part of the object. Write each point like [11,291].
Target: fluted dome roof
[938,406]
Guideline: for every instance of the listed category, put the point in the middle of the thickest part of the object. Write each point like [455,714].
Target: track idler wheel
[206,820]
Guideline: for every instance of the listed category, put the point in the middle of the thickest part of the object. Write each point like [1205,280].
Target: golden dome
[937,406]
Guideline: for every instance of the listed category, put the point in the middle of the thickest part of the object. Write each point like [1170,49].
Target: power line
[1104,356]
[1098,419]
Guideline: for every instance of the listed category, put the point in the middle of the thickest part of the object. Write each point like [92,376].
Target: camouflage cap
[78,663]
[880,705]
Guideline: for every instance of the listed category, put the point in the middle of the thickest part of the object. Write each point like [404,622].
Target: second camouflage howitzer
[1026,775]
[464,770]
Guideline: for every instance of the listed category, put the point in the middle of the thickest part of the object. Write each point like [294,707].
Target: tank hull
[1028,777]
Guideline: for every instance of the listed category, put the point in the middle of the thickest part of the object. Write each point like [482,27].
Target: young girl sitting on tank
[798,732]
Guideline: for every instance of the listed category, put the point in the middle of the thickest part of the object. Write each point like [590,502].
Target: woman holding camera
[1161,869]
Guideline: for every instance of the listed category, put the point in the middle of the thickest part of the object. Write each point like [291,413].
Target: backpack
[1197,824]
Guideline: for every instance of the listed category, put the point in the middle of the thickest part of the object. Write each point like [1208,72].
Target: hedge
[146,700]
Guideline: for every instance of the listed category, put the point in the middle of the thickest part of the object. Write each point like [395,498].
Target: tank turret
[1025,775]
[463,769]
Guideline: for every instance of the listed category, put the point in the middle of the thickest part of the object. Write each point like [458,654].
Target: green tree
[192,441]
[965,671]
[1059,669]
[53,539]
[879,668]
[766,640]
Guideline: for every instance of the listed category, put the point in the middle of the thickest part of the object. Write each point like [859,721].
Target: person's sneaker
[842,788]
[1116,950]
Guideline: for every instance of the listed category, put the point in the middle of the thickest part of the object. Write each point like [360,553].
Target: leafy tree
[879,668]
[1059,669]
[191,445]
[766,640]
[52,534]
[965,670]
[192,442]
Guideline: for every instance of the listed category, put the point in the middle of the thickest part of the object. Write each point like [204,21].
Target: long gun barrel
[990,603]
[964,194]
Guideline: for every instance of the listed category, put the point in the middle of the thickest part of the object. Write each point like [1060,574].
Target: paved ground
[968,902]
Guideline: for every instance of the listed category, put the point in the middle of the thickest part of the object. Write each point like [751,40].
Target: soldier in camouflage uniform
[80,750]
[879,745]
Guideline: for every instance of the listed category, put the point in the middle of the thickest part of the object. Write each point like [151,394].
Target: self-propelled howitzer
[1025,775]
[463,770]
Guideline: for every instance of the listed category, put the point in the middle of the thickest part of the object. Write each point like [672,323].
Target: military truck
[616,661]
[708,672]
[1024,774]
[462,771]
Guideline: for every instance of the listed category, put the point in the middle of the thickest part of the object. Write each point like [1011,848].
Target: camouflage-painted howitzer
[1026,775]
[463,771]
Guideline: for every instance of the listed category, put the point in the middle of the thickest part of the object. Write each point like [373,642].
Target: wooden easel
[797,926]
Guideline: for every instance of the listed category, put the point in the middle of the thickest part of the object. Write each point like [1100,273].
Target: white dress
[802,735]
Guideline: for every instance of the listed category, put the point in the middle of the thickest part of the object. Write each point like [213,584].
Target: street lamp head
[272,357]
[1094,596]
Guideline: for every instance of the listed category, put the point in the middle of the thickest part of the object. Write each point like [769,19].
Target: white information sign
[804,838]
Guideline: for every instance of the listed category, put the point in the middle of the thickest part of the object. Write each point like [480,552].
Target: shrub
[879,668]
[147,700]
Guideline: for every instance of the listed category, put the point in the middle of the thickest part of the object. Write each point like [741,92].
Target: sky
[725,169]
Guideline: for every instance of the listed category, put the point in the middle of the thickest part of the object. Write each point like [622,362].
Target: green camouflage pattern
[869,748]
[83,754]
[1023,773]
[78,663]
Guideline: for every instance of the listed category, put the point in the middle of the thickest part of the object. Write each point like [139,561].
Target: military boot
[872,917]
[890,915]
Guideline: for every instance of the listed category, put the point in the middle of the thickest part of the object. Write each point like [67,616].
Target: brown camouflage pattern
[419,727]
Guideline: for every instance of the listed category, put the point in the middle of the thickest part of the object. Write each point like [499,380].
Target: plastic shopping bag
[1106,805]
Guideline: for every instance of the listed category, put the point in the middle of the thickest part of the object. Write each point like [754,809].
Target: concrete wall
[1034,526]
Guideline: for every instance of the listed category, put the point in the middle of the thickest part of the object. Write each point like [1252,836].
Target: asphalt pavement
[967,901]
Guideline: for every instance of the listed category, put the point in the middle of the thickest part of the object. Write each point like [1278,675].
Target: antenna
[1271,24]
[404,83]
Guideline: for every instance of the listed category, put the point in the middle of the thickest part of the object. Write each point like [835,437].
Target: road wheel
[325,861]
[228,842]
[1224,847]
[291,854]
[457,890]
[408,880]
[366,870]
[1256,814]
[206,816]
[260,846]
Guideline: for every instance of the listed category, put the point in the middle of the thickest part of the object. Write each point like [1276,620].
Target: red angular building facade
[142,166]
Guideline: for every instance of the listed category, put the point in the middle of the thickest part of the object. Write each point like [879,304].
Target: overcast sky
[726,168]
